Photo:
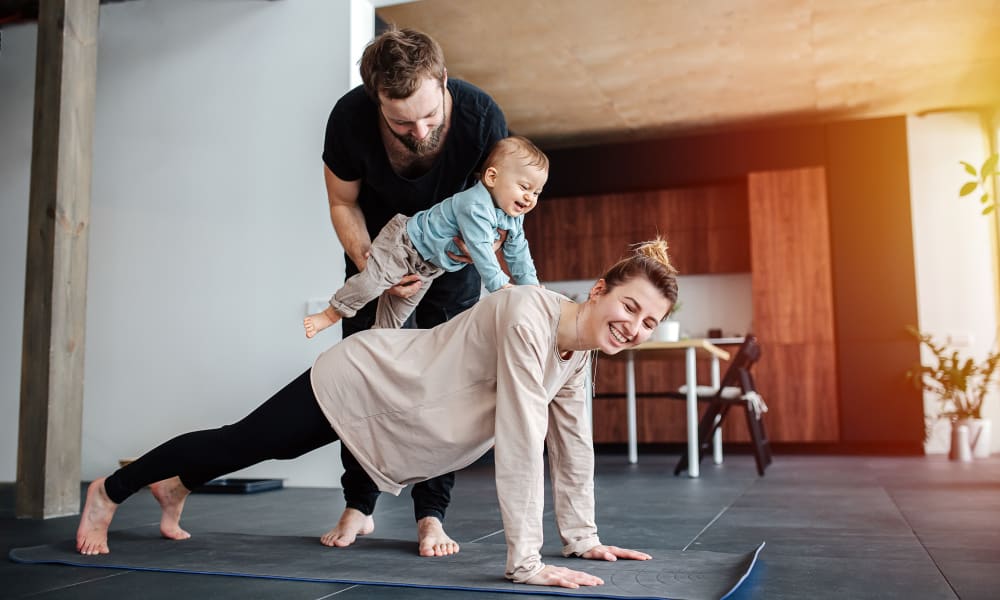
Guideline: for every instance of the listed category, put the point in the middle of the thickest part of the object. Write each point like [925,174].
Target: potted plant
[979,182]
[960,384]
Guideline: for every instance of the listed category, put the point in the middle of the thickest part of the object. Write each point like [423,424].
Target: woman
[412,404]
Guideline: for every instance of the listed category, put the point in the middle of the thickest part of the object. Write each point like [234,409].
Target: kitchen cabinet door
[793,303]
[579,237]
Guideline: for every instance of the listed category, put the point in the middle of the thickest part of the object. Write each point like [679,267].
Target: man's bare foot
[171,494]
[92,534]
[433,540]
[352,523]
[318,322]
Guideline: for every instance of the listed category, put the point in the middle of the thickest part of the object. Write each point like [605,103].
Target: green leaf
[968,188]
[989,209]
[984,199]
[988,166]
[968,168]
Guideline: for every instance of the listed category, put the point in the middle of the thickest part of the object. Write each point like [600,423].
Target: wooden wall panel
[793,303]
[790,245]
[799,382]
[579,237]
[875,290]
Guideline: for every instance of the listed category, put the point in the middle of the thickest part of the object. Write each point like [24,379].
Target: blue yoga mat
[672,574]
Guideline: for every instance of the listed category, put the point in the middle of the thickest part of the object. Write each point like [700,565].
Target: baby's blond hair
[518,146]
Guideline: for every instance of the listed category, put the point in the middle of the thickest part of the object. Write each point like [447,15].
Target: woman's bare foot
[92,534]
[352,523]
[320,321]
[171,494]
[433,540]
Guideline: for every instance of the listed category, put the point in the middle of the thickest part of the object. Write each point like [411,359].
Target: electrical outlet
[960,339]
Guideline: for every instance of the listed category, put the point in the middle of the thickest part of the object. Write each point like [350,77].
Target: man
[404,140]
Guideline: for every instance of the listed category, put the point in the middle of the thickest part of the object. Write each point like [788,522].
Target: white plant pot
[980,437]
[667,331]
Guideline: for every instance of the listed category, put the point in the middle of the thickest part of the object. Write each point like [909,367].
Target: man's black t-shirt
[353,150]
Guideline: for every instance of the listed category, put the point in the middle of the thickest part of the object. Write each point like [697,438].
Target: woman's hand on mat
[563,577]
[613,553]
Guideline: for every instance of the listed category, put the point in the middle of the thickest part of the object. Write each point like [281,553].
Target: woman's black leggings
[286,426]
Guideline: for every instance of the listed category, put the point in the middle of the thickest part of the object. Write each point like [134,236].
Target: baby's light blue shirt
[473,216]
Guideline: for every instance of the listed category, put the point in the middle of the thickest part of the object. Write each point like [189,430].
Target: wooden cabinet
[579,237]
[793,303]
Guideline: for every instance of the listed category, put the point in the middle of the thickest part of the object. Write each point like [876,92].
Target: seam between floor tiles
[717,516]
[916,536]
[337,592]
[78,583]
[486,536]
[705,528]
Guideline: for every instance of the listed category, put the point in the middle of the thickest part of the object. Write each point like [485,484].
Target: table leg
[691,377]
[717,438]
[633,453]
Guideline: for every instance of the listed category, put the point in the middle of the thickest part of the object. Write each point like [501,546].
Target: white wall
[209,228]
[17,76]
[953,250]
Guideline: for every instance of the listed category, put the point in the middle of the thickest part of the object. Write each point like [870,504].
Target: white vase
[667,331]
[980,437]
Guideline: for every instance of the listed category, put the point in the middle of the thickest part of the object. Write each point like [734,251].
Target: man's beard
[421,147]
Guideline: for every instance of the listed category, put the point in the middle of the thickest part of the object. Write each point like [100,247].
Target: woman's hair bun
[655,249]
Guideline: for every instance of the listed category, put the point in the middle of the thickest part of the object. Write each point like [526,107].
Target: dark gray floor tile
[973,545]
[972,580]
[19,581]
[948,496]
[171,586]
[796,578]
[969,519]
[887,520]
[813,542]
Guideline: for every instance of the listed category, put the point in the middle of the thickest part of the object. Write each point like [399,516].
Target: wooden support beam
[55,291]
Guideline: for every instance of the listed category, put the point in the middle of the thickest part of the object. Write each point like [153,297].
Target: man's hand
[407,286]
[464,256]
[563,577]
[613,553]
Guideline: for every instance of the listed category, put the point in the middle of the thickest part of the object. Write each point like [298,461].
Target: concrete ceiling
[575,72]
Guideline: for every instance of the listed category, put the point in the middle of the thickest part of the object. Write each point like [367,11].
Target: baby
[512,179]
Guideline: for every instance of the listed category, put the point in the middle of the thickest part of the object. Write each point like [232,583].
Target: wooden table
[690,348]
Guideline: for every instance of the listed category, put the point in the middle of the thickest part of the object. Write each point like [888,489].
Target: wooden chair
[737,388]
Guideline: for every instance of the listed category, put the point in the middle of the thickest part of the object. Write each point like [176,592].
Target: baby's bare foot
[433,540]
[319,321]
[352,523]
[92,534]
[171,494]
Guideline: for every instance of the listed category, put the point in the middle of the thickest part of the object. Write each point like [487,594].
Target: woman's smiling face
[625,316]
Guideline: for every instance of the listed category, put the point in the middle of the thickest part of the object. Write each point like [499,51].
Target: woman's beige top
[414,404]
